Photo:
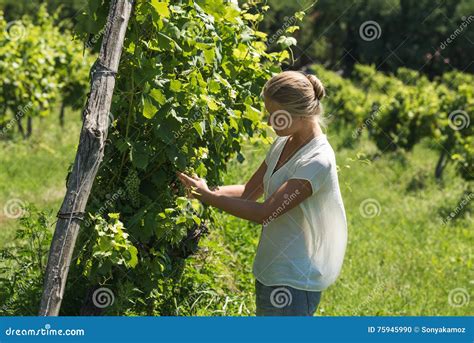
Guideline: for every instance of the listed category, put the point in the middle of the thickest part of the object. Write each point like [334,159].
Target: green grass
[402,261]
[34,171]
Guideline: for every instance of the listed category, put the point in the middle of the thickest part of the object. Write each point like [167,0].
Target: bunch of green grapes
[132,185]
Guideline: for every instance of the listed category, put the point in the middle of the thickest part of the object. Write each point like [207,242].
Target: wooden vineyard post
[88,157]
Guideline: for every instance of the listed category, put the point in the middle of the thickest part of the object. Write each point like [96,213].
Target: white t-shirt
[304,247]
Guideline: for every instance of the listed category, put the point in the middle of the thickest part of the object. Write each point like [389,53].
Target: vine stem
[129,117]
[130,114]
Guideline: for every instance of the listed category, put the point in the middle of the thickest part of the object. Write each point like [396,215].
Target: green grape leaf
[158,96]
[133,256]
[161,8]
[140,155]
[149,109]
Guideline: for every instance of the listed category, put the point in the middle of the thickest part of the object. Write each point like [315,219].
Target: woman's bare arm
[252,190]
[233,191]
[289,195]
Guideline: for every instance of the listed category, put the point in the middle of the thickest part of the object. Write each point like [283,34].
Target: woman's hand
[196,187]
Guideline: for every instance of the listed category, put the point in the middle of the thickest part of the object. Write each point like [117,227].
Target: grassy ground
[34,171]
[401,259]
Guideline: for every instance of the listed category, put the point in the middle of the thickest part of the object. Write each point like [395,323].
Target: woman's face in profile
[280,120]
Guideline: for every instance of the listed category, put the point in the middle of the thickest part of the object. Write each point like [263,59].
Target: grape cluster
[132,185]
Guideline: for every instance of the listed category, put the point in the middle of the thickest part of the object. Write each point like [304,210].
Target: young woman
[304,233]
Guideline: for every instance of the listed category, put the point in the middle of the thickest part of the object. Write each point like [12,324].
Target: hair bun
[318,87]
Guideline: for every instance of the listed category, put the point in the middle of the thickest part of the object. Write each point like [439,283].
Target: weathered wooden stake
[88,157]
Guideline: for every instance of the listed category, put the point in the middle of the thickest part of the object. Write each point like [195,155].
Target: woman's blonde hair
[298,93]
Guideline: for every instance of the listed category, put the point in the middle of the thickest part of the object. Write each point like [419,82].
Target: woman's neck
[307,133]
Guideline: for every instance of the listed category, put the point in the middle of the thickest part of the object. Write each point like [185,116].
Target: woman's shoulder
[316,165]
[319,147]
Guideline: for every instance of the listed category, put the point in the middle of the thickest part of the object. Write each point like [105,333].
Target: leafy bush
[401,110]
[346,104]
[39,63]
[371,80]
[409,115]
[22,265]
[456,130]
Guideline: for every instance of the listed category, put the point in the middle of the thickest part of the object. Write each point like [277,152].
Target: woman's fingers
[190,183]
[184,178]
[189,193]
[187,180]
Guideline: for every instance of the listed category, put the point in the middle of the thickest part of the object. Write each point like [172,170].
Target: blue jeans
[285,301]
